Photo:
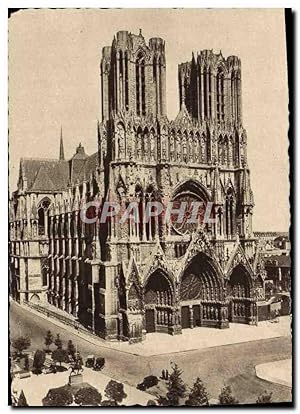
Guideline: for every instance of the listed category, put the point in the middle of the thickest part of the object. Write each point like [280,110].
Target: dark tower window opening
[233,96]
[160,86]
[157,81]
[209,96]
[205,89]
[43,217]
[237,148]
[140,86]
[186,92]
[126,83]
[237,94]
[220,96]
[140,199]
[219,224]
[151,223]
[143,88]
[137,82]
[229,213]
[154,69]
[121,63]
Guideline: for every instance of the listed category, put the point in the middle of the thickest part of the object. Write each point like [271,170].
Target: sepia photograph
[149,212]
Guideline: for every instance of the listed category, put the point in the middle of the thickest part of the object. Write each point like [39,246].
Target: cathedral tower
[133,76]
[210,87]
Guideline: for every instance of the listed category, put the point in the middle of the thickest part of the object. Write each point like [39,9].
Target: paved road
[233,364]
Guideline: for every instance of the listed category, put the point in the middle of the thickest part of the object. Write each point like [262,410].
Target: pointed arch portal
[239,293]
[159,298]
[201,294]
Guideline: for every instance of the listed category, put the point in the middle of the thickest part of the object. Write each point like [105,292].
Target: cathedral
[122,280]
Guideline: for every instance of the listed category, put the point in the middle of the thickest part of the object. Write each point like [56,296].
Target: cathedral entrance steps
[204,337]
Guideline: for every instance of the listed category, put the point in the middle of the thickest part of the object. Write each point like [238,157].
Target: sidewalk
[201,338]
[189,340]
[279,372]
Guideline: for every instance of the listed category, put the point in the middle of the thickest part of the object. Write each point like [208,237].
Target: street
[230,364]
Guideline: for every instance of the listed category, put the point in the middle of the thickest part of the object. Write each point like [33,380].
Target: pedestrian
[167,374]
[163,374]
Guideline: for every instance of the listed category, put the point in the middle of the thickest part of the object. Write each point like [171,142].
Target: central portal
[201,295]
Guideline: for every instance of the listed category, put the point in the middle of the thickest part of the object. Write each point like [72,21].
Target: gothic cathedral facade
[122,280]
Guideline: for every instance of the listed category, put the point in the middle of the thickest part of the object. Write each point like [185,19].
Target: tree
[58,397]
[151,402]
[264,398]
[22,402]
[58,342]
[107,403]
[38,361]
[71,349]
[20,344]
[48,340]
[88,396]
[198,395]
[60,355]
[162,401]
[26,363]
[114,391]
[175,386]
[226,397]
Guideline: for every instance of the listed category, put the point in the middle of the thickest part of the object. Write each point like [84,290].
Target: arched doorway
[43,210]
[158,297]
[238,291]
[35,298]
[201,296]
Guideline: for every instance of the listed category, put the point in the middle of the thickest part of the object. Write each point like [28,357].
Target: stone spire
[247,195]
[61,147]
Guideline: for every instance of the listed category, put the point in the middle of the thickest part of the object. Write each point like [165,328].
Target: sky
[54,81]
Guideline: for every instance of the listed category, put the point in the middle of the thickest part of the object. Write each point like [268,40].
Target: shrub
[71,348]
[88,396]
[226,397]
[58,342]
[26,363]
[264,398]
[20,344]
[38,361]
[114,391]
[176,387]
[48,340]
[198,395]
[22,402]
[60,355]
[58,397]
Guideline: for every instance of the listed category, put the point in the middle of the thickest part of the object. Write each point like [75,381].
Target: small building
[278,268]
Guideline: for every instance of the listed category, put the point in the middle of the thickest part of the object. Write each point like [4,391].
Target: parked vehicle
[24,374]
[148,382]
[50,370]
[90,361]
[95,363]
[99,364]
